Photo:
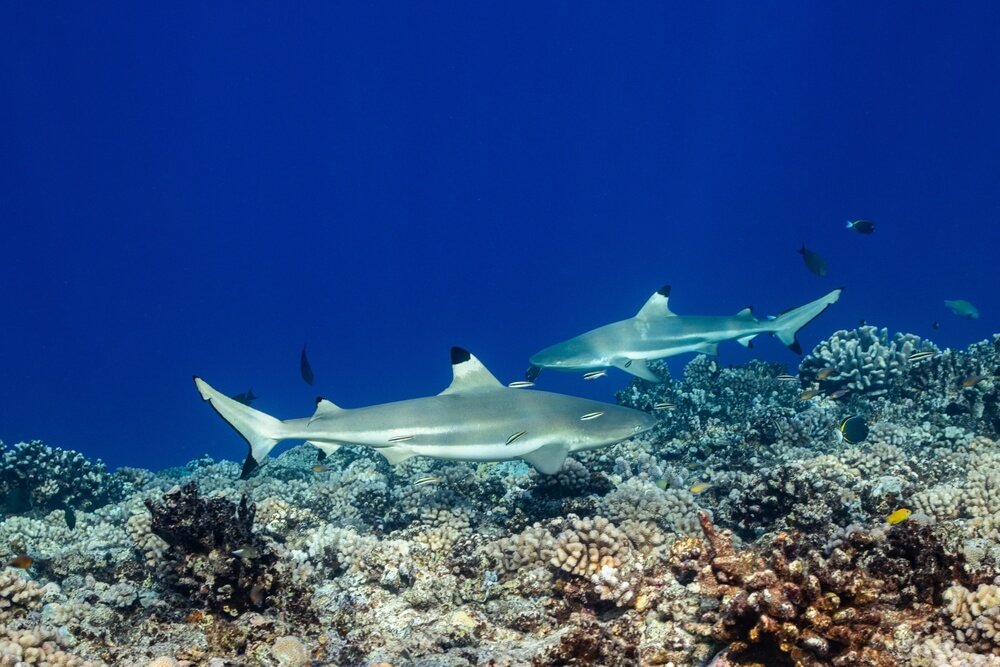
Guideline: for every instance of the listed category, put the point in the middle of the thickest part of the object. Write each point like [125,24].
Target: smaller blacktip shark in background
[656,333]
[475,419]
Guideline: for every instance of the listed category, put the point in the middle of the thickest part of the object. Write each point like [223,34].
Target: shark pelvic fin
[638,368]
[395,455]
[657,305]
[548,459]
[469,374]
[324,448]
[746,341]
[711,349]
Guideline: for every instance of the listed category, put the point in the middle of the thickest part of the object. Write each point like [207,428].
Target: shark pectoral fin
[658,305]
[469,374]
[711,349]
[638,368]
[746,341]
[548,459]
[396,455]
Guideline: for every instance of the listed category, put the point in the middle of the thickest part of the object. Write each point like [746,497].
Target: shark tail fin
[261,431]
[788,323]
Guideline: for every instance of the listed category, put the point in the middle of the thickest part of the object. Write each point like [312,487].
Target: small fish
[532,373]
[700,487]
[785,377]
[936,325]
[257,595]
[515,437]
[22,561]
[69,514]
[824,373]
[862,322]
[319,468]
[304,368]
[813,261]
[664,406]
[899,516]
[249,552]
[920,356]
[521,384]
[246,398]
[854,429]
[662,483]
[593,375]
[591,415]
[861,226]
[400,438]
[840,393]
[963,308]
[424,481]
[973,380]
[808,393]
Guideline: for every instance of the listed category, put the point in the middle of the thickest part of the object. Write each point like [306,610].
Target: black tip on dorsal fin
[664,291]
[319,399]
[459,356]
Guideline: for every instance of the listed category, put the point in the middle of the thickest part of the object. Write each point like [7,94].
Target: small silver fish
[785,377]
[664,406]
[591,415]
[515,437]
[401,438]
[424,481]
[521,384]
[248,552]
[593,375]
[920,356]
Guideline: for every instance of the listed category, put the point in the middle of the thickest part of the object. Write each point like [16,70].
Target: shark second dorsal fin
[324,408]
[657,305]
[469,374]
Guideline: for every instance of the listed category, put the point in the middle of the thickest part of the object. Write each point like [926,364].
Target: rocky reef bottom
[743,531]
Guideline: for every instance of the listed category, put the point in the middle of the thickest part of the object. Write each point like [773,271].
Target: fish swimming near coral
[655,333]
[305,369]
[962,308]
[21,561]
[899,516]
[920,356]
[471,420]
[973,380]
[854,429]
[813,261]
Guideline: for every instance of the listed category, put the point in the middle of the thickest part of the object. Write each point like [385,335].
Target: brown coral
[789,603]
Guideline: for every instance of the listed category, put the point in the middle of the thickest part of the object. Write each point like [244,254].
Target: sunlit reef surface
[786,558]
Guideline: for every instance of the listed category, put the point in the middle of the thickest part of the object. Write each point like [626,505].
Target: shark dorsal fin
[469,374]
[324,408]
[746,313]
[657,305]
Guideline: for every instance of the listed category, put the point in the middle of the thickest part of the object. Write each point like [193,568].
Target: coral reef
[743,530]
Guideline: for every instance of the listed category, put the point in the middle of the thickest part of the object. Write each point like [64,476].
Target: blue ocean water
[202,189]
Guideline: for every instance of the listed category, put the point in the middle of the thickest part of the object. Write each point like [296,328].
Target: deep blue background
[202,187]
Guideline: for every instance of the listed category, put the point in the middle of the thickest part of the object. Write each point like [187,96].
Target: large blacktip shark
[655,333]
[475,419]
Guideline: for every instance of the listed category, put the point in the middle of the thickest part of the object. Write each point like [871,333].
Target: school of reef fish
[755,525]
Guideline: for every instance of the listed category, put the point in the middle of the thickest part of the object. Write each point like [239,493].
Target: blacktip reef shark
[655,333]
[475,419]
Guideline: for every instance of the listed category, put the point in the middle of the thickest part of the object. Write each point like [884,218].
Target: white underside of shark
[475,419]
[656,333]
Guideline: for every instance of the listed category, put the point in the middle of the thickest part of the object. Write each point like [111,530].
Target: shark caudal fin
[788,323]
[262,432]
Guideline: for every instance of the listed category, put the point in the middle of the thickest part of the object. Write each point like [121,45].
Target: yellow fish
[809,393]
[899,516]
[21,561]
[700,487]
[824,373]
